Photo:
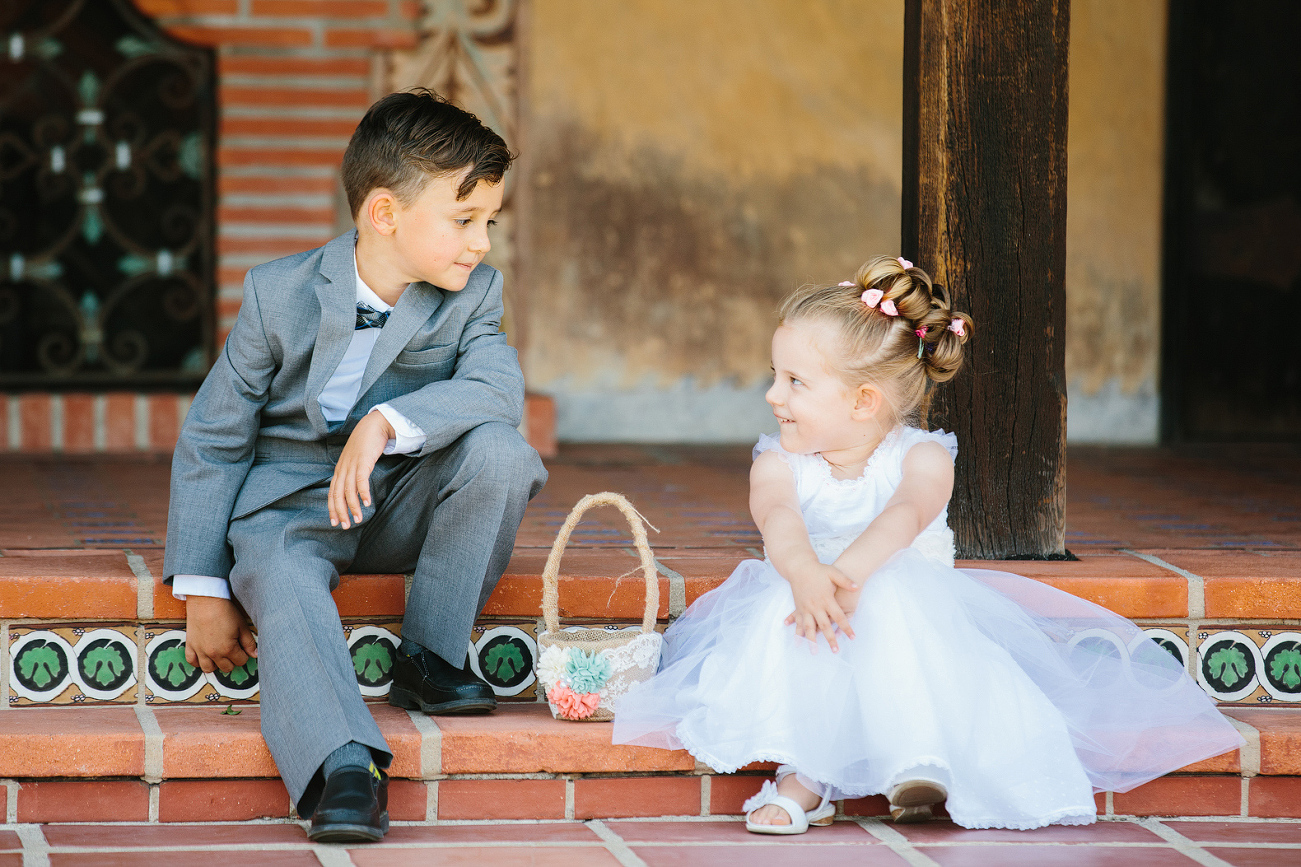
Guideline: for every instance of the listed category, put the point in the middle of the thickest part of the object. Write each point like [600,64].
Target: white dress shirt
[336,400]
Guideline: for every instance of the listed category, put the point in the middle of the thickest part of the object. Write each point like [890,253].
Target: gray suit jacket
[255,432]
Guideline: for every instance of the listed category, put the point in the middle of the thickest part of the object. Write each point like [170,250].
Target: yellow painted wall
[1115,160]
[692,163]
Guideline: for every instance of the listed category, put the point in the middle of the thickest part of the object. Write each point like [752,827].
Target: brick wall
[293,79]
[115,422]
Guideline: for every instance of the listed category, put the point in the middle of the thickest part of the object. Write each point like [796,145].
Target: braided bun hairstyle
[902,354]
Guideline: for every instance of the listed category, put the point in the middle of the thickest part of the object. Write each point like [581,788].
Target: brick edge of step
[196,764]
[122,584]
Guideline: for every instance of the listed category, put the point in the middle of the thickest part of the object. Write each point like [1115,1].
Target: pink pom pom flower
[573,705]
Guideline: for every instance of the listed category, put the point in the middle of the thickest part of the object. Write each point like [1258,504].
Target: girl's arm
[925,490]
[776,511]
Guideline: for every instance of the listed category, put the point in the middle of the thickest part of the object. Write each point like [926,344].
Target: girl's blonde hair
[882,349]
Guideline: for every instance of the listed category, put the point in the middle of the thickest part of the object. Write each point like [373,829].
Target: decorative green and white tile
[1173,639]
[374,648]
[72,664]
[170,678]
[1250,665]
[1105,644]
[505,655]
[64,664]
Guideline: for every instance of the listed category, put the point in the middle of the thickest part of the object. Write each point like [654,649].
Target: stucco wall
[693,162]
[1115,157]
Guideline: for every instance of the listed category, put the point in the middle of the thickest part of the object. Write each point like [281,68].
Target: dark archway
[1231,365]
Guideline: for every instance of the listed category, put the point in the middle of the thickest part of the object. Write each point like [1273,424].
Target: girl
[857,656]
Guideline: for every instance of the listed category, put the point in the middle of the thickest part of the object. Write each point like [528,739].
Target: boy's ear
[868,402]
[380,210]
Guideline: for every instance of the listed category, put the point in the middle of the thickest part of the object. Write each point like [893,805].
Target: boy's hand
[350,486]
[216,634]
[816,608]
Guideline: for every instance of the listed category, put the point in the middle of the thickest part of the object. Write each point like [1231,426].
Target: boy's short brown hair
[407,138]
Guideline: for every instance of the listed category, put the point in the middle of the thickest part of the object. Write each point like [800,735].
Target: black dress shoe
[353,808]
[428,683]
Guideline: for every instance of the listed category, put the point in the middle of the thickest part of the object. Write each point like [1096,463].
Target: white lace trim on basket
[642,655]
[641,652]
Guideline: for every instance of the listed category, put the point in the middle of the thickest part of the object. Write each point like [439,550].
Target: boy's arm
[215,448]
[217,634]
[212,458]
[487,385]
[775,508]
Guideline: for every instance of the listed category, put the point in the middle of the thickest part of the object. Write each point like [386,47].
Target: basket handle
[550,579]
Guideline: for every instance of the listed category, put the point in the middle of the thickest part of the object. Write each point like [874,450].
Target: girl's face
[818,412]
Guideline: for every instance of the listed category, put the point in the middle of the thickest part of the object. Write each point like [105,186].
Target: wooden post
[984,212]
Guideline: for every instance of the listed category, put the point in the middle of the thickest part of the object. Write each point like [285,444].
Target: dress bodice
[837,511]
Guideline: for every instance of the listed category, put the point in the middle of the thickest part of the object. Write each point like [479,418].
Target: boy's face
[439,239]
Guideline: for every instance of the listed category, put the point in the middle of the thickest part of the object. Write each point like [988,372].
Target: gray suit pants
[451,517]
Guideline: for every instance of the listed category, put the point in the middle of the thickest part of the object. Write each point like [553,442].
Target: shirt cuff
[200,585]
[410,437]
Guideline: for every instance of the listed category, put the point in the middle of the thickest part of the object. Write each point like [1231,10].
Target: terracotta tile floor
[1124,843]
[1233,506]
[1200,498]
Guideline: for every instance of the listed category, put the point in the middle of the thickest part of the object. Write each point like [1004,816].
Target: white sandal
[820,815]
[911,801]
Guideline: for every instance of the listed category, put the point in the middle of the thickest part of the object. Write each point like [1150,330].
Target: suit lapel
[337,293]
[413,309]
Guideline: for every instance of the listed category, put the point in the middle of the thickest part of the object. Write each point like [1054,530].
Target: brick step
[1243,604]
[124,584]
[178,764]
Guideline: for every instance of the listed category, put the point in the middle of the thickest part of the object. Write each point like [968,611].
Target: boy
[361,416]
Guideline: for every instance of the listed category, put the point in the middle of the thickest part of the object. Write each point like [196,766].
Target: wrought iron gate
[106,190]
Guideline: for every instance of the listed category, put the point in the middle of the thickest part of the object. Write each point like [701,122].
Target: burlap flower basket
[585,671]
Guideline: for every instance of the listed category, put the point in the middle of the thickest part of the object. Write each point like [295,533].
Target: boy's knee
[273,575]
[500,451]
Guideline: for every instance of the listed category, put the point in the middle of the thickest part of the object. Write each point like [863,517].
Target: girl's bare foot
[771,814]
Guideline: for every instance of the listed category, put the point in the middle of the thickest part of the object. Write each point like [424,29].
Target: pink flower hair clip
[873,297]
[904,263]
[958,328]
[921,340]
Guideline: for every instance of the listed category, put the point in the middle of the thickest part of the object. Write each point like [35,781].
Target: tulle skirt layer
[1023,700]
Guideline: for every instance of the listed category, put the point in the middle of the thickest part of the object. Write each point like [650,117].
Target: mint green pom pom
[587,672]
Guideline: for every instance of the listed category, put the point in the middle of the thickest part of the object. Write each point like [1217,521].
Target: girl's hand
[848,600]
[775,506]
[816,609]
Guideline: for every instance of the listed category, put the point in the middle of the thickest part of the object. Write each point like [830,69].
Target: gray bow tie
[369,317]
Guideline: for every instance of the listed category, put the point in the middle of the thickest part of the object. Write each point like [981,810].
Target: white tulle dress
[1023,700]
